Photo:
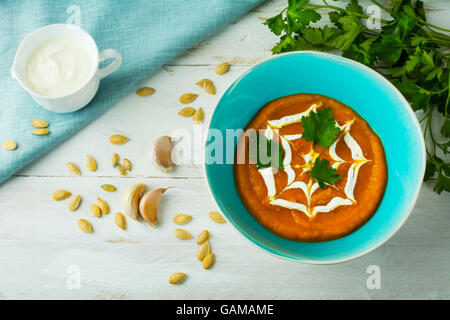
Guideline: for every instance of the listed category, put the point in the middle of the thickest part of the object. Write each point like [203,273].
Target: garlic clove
[148,206]
[162,153]
[131,199]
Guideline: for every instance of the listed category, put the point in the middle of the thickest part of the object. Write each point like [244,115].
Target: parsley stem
[428,92]
[381,6]
[425,133]
[423,118]
[431,129]
[425,130]
[448,94]
[440,91]
[372,33]
[418,18]
[440,42]
[437,37]
[327,6]
[432,25]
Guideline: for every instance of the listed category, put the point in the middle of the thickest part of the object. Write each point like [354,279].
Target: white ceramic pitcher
[84,94]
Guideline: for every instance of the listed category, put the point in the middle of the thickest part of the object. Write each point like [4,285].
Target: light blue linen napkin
[146,33]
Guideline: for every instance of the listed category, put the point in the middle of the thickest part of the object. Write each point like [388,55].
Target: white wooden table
[41,245]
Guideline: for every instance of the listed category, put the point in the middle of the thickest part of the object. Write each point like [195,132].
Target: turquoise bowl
[353,84]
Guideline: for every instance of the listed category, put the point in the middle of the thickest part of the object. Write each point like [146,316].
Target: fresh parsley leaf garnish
[353,6]
[264,158]
[408,50]
[323,173]
[276,24]
[320,127]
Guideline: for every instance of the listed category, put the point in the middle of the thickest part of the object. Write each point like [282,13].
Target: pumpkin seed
[40,132]
[186,112]
[202,82]
[126,164]
[73,168]
[209,87]
[209,260]
[145,91]
[222,68]
[177,278]
[115,160]
[199,115]
[95,210]
[203,251]
[74,203]
[118,139]
[182,218]
[122,170]
[109,187]
[203,236]
[188,97]
[182,234]
[216,217]
[9,145]
[84,225]
[39,123]
[61,194]
[121,222]
[103,206]
[91,164]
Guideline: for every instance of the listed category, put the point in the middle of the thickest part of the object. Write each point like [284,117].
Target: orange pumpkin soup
[291,202]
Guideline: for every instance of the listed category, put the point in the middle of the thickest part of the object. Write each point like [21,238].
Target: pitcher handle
[113,66]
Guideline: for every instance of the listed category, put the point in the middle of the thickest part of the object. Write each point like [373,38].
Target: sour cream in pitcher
[58,67]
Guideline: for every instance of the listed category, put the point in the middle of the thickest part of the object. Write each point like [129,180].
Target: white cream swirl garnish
[311,186]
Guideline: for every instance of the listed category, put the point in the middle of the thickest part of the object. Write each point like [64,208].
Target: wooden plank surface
[39,238]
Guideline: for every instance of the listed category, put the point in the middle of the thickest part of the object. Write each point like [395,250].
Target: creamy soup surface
[289,202]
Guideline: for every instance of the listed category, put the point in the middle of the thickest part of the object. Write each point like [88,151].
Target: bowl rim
[404,102]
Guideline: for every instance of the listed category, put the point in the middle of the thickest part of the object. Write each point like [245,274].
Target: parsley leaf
[389,49]
[351,26]
[302,17]
[445,129]
[320,127]
[263,158]
[323,173]
[443,174]
[413,93]
[354,6]
[412,62]
[334,17]
[276,24]
[319,36]
[420,10]
[360,52]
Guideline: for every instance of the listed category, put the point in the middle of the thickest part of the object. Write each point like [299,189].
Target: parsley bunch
[408,51]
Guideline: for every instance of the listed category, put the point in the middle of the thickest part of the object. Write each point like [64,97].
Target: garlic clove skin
[162,153]
[148,206]
[131,199]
